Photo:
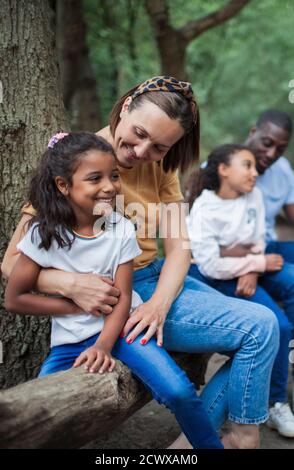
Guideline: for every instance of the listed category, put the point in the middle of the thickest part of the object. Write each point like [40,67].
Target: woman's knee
[267,330]
[260,326]
[180,394]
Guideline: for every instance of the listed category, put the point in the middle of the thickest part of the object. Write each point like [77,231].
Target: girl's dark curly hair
[208,177]
[54,216]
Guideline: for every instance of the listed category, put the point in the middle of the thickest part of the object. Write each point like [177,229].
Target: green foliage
[122,51]
[241,68]
[237,69]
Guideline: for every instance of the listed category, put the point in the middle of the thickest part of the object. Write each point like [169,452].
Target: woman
[154,129]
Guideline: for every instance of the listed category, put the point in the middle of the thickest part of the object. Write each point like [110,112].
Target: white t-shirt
[214,222]
[277,187]
[101,254]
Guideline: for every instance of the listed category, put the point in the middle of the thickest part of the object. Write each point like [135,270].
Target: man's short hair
[279,118]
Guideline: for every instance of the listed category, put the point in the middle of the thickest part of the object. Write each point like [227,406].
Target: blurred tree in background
[77,80]
[237,69]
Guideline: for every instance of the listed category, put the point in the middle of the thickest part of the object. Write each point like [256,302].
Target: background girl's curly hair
[208,177]
[54,215]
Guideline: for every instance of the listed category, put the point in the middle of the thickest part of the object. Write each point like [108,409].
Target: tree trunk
[170,41]
[31,111]
[78,82]
[70,409]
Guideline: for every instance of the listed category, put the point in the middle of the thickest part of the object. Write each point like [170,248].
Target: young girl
[75,185]
[227,231]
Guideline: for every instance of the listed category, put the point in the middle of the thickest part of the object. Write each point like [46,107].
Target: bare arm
[289,211]
[115,322]
[11,255]
[177,260]
[237,251]
[18,296]
[98,357]
[152,313]
[90,292]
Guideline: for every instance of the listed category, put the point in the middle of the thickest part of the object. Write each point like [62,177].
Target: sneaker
[281,418]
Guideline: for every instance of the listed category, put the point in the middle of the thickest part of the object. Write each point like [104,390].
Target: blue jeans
[278,284]
[160,374]
[285,249]
[204,320]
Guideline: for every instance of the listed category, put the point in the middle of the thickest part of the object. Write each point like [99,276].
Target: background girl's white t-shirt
[215,222]
[101,254]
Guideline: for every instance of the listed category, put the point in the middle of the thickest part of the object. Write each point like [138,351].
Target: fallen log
[69,409]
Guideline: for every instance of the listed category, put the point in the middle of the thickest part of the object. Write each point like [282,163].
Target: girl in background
[227,215]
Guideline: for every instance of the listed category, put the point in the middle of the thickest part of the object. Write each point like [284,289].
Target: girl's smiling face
[240,175]
[95,184]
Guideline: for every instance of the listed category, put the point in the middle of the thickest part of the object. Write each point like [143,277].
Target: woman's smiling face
[144,134]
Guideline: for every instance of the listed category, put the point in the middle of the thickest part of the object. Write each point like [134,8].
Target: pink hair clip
[55,138]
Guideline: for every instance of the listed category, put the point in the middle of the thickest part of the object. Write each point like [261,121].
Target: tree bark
[70,409]
[31,111]
[172,43]
[78,82]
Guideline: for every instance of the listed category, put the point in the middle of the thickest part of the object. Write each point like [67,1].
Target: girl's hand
[93,294]
[96,359]
[246,285]
[148,315]
[274,262]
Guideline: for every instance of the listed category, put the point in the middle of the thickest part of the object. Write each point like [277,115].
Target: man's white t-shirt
[277,187]
[101,254]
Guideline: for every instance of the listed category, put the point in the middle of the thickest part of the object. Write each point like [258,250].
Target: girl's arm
[91,293]
[236,251]
[152,313]
[115,322]
[98,357]
[18,296]
[211,264]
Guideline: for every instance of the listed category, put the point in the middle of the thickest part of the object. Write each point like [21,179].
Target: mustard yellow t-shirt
[143,188]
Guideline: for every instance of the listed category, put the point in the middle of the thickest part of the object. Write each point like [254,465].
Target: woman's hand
[92,293]
[96,359]
[246,285]
[149,315]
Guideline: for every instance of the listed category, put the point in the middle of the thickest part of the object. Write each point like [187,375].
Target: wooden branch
[195,28]
[72,408]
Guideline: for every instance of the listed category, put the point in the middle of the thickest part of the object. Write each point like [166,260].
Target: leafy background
[237,69]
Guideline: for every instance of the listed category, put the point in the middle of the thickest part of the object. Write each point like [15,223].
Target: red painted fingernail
[160,345]
[130,340]
[121,335]
[143,341]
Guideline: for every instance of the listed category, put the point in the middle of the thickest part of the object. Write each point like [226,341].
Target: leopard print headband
[166,83]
